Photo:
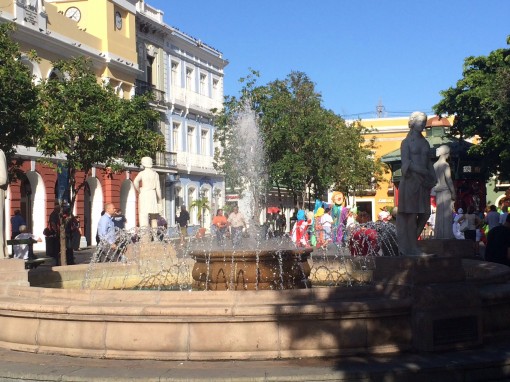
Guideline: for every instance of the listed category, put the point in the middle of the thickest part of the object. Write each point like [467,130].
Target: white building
[186,76]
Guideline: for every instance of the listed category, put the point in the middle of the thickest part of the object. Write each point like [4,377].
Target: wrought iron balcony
[166,159]
[142,87]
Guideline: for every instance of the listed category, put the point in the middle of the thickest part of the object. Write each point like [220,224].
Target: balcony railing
[142,87]
[165,159]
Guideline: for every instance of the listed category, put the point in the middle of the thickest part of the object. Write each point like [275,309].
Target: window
[175,73]
[203,84]
[189,79]
[191,198]
[176,128]
[204,142]
[178,198]
[150,63]
[191,139]
[216,88]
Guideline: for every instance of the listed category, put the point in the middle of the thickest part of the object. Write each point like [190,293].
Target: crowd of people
[346,227]
[231,227]
[318,228]
[477,226]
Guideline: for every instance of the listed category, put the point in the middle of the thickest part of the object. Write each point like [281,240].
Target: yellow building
[388,133]
[103,30]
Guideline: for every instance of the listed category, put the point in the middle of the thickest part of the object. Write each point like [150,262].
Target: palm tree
[202,205]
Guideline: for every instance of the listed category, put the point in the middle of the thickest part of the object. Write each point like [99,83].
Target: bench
[32,262]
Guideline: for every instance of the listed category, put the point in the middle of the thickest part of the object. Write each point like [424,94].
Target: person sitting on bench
[24,251]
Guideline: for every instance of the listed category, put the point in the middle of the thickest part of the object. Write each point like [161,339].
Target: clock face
[73,13]
[118,20]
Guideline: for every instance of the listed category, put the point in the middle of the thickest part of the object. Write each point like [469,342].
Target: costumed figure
[339,214]
[299,231]
[319,231]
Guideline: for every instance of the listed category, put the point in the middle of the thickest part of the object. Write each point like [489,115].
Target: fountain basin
[251,269]
[215,325]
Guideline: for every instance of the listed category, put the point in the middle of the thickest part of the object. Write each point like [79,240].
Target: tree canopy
[480,102]
[88,123]
[308,149]
[18,95]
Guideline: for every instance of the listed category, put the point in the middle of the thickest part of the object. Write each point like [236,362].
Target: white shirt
[326,220]
[20,251]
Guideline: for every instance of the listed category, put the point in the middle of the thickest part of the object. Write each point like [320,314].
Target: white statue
[4,181]
[149,198]
[418,178]
[445,195]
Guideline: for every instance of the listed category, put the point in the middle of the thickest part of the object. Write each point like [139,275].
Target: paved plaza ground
[490,363]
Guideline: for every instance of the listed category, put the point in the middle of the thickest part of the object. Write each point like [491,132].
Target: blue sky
[357,52]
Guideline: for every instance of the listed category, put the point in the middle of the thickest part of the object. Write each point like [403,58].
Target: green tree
[480,102]
[18,95]
[88,123]
[201,205]
[305,145]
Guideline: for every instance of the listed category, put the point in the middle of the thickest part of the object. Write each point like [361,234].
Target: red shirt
[363,242]
[219,221]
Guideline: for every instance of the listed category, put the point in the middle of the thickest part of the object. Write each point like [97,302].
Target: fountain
[372,304]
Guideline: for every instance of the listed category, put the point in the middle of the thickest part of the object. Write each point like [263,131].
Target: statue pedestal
[448,247]
[418,270]
[446,310]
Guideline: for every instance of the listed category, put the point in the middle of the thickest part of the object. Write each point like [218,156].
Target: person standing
[473,222]
[281,224]
[445,195]
[492,218]
[237,223]
[75,232]
[119,220]
[418,178]
[16,222]
[53,235]
[457,233]
[106,233]
[220,223]
[504,214]
[327,222]
[498,244]
[183,220]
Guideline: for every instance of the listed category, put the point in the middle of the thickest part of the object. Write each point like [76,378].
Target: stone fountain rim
[243,253]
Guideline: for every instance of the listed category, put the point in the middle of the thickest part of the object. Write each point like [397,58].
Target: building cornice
[63,46]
